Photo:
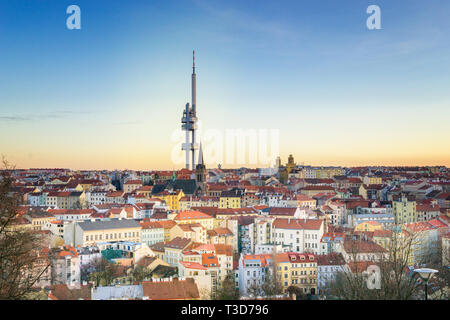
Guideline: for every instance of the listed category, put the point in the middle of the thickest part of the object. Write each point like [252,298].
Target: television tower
[189,120]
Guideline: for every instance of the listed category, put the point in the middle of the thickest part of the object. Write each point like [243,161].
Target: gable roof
[362,246]
[191,214]
[187,185]
[62,292]
[332,259]
[282,211]
[309,224]
[192,265]
[178,243]
[171,290]
[108,224]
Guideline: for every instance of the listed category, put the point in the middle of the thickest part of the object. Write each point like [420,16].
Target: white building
[72,214]
[253,270]
[96,197]
[65,265]
[270,248]
[328,267]
[387,220]
[94,231]
[152,232]
[300,235]
[88,255]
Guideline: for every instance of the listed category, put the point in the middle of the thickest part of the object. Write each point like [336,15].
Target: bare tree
[390,277]
[22,258]
[255,290]
[270,286]
[104,273]
[227,291]
[140,273]
[431,257]
[296,293]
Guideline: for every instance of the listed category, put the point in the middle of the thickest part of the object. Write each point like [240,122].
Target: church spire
[200,155]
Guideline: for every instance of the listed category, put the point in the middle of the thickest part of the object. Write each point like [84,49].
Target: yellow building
[222,236]
[287,169]
[382,238]
[66,199]
[304,200]
[167,225]
[328,172]
[372,180]
[369,226]
[186,203]
[88,233]
[297,269]
[195,231]
[230,201]
[231,198]
[145,190]
[40,220]
[20,223]
[172,198]
[132,185]
[404,210]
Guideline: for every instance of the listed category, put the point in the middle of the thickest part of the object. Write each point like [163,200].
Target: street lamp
[426,274]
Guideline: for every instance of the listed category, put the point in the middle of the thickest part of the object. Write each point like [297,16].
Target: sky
[111,95]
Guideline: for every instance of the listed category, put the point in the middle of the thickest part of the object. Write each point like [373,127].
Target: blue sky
[338,92]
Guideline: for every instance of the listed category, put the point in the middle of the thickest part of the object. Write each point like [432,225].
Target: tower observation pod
[189,121]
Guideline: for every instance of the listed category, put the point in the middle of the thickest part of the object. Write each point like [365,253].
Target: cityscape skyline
[339,94]
[221,153]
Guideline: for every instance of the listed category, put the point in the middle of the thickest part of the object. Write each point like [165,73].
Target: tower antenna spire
[189,121]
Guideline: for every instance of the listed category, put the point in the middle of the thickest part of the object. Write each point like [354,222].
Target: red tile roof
[263,258]
[192,265]
[192,214]
[362,246]
[134,182]
[209,260]
[171,290]
[309,224]
[295,257]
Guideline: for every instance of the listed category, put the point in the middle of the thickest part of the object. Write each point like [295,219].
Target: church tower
[200,172]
